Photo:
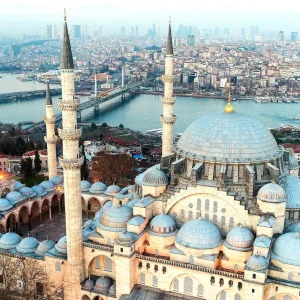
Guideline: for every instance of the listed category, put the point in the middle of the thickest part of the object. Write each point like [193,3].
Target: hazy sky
[28,16]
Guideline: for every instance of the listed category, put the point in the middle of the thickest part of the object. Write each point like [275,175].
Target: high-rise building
[294,36]
[243,33]
[84,31]
[51,31]
[76,31]
[256,29]
[99,31]
[137,30]
[281,36]
[123,32]
[154,30]
[191,40]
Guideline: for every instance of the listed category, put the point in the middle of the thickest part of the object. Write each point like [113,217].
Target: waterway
[142,112]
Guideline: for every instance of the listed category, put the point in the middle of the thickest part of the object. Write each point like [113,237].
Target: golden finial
[65,15]
[229,107]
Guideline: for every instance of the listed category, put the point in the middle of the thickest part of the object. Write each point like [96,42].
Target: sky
[29,16]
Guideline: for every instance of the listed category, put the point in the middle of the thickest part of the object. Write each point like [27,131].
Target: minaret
[71,162]
[50,137]
[168,118]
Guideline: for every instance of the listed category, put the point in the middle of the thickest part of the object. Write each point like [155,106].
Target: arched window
[176,285]
[231,222]
[164,270]
[229,171]
[240,285]
[236,268]
[39,289]
[230,283]
[58,266]
[190,215]
[198,215]
[107,264]
[85,297]
[237,297]
[212,280]
[188,285]
[154,281]
[142,278]
[287,297]
[290,276]
[215,221]
[156,268]
[148,266]
[200,290]
[198,204]
[97,263]
[156,252]
[207,204]
[222,295]
[222,221]
[215,206]
[191,260]
[206,216]
[182,215]
[221,281]
[140,265]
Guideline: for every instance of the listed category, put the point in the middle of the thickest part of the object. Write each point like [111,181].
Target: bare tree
[25,279]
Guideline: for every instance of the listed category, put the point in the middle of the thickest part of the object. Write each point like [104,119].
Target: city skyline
[14,16]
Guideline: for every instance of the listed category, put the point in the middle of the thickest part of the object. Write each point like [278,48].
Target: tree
[39,145]
[7,145]
[93,126]
[30,146]
[37,162]
[114,168]
[26,167]
[121,126]
[104,124]
[24,278]
[20,146]
[84,168]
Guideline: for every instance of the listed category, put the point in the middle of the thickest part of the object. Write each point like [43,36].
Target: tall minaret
[71,162]
[50,137]
[168,118]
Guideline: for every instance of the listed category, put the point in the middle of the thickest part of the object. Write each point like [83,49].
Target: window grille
[188,285]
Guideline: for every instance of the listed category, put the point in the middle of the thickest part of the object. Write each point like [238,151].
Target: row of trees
[28,168]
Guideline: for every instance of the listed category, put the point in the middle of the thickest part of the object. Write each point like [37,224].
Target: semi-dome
[56,180]
[27,191]
[199,234]
[39,190]
[97,188]
[14,197]
[257,263]
[9,241]
[113,190]
[286,248]
[28,245]
[18,185]
[61,246]
[162,224]
[44,247]
[5,205]
[115,218]
[88,284]
[103,284]
[47,185]
[125,238]
[112,290]
[292,192]
[272,193]
[239,238]
[228,137]
[155,177]
[85,185]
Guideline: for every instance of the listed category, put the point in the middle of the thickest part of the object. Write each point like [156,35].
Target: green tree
[26,167]
[30,146]
[121,126]
[39,145]
[37,162]
[20,146]
[93,126]
[7,145]
[84,168]
[104,124]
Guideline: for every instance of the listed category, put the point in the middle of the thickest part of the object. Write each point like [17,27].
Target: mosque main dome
[228,137]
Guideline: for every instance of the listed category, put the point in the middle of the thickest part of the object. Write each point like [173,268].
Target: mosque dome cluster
[162,224]
[239,238]
[272,193]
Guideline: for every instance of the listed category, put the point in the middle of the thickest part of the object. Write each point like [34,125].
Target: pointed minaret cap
[48,95]
[170,42]
[67,57]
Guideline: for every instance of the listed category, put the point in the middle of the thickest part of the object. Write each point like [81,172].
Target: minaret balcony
[168,120]
[70,134]
[74,163]
[168,100]
[168,78]
[51,139]
[69,105]
[49,120]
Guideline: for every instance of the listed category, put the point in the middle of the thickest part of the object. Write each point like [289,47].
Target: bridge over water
[93,103]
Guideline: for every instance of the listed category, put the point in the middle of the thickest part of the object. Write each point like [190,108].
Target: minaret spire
[169,40]
[67,57]
[48,95]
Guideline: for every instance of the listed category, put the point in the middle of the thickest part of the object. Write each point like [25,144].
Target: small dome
[47,185]
[199,234]
[155,177]
[113,190]
[39,191]
[61,246]
[9,241]
[239,238]
[18,185]
[292,192]
[44,247]
[5,205]
[27,191]
[286,248]
[28,245]
[125,238]
[88,284]
[103,284]
[272,193]
[112,290]
[56,180]
[14,197]
[85,185]
[257,263]
[162,224]
[115,218]
[97,188]
[294,227]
